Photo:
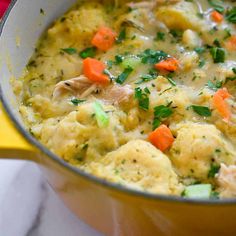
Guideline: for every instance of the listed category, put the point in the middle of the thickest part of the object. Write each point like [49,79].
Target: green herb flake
[119,59]
[201,110]
[201,63]
[227,33]
[214,86]
[233,77]
[217,5]
[124,75]
[214,169]
[216,42]
[150,56]
[231,15]
[160,36]
[215,195]
[122,36]
[171,81]
[88,52]
[160,113]
[109,64]
[69,51]
[76,101]
[142,97]
[177,34]
[199,50]
[218,54]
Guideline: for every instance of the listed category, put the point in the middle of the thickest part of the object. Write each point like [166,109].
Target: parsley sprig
[143,97]
[161,113]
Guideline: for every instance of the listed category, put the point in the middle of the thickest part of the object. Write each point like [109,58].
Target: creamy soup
[139,93]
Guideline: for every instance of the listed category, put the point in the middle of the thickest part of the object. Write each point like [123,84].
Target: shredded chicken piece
[151,4]
[116,94]
[80,86]
[227,180]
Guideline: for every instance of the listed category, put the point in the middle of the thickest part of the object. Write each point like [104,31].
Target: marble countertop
[29,207]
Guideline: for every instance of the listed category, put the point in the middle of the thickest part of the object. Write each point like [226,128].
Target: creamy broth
[139,93]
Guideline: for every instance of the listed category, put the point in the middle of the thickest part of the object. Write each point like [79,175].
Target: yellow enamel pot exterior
[110,208]
[12,144]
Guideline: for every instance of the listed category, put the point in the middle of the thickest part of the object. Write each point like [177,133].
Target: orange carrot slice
[220,104]
[217,17]
[161,138]
[223,93]
[170,64]
[104,38]
[231,43]
[94,71]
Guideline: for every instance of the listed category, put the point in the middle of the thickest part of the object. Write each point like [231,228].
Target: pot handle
[12,144]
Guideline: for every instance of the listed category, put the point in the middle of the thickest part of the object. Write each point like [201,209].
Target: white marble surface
[29,207]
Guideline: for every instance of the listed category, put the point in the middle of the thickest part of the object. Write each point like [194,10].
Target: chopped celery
[198,191]
[131,61]
[101,116]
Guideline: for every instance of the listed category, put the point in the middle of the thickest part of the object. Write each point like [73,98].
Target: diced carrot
[230,44]
[220,104]
[94,71]
[217,17]
[104,38]
[170,64]
[223,93]
[161,138]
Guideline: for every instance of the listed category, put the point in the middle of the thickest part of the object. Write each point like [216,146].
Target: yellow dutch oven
[110,208]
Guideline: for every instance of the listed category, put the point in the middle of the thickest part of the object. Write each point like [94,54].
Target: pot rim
[87,176]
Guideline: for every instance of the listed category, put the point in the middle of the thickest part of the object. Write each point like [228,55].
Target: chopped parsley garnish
[218,54]
[214,195]
[122,36]
[201,110]
[145,78]
[214,169]
[160,113]
[142,97]
[171,81]
[232,78]
[201,63]
[109,64]
[148,77]
[177,34]
[160,36]
[231,15]
[199,50]
[217,5]
[124,75]
[227,33]
[69,51]
[216,42]
[152,56]
[214,86]
[88,52]
[76,101]
[118,59]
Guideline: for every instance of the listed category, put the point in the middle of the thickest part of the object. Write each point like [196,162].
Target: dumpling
[197,147]
[140,165]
